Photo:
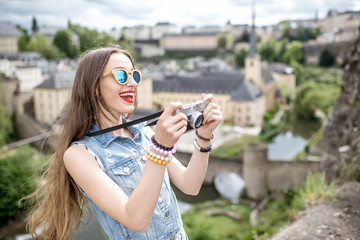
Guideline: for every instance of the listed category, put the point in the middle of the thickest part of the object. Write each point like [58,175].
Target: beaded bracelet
[158,156]
[155,160]
[162,149]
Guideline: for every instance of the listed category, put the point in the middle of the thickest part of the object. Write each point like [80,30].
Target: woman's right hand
[170,127]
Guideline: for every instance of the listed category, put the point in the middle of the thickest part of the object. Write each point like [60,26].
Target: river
[286,146]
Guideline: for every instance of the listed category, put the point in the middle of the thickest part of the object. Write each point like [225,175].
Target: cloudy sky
[105,14]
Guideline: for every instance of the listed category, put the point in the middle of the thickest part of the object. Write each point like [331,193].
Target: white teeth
[126,94]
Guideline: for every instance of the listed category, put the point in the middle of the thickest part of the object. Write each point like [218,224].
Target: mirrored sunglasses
[122,75]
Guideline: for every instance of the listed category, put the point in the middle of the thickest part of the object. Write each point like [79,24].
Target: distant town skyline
[106,14]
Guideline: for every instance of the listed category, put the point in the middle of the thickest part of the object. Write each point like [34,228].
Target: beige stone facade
[340,21]
[8,88]
[270,95]
[248,113]
[145,94]
[286,82]
[9,36]
[192,42]
[51,96]
[49,103]
[253,71]
[8,44]
[29,77]
[239,113]
[162,99]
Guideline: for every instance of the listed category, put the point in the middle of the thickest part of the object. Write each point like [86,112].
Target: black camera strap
[128,124]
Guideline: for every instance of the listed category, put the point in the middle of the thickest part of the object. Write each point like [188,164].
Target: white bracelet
[204,150]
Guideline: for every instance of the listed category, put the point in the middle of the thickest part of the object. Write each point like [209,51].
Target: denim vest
[123,160]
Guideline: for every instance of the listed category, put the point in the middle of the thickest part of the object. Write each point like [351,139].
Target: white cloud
[105,14]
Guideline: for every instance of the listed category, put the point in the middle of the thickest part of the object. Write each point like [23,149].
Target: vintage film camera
[194,113]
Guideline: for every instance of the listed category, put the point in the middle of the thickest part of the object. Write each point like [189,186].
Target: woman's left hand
[212,116]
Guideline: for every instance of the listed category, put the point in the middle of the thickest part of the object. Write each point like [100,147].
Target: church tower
[253,61]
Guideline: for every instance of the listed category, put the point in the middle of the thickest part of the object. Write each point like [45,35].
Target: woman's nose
[131,81]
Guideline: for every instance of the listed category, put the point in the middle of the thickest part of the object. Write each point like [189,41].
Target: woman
[124,175]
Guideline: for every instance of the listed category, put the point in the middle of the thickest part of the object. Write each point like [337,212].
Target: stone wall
[341,141]
[216,165]
[263,176]
[28,127]
[287,175]
[8,88]
[312,51]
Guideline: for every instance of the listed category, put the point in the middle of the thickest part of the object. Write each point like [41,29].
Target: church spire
[252,52]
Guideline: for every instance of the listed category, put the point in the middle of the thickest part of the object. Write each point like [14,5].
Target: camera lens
[196,120]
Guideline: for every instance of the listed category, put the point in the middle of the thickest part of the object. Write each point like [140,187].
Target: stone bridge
[216,165]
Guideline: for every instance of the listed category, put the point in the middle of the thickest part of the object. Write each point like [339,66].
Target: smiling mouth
[128,96]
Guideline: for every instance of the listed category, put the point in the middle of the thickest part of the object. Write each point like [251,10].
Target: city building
[137,33]
[339,27]
[5,67]
[190,42]
[241,101]
[9,36]
[285,78]
[51,96]
[29,77]
[244,96]
[163,28]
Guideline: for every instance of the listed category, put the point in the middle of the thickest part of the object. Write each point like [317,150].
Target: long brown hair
[59,203]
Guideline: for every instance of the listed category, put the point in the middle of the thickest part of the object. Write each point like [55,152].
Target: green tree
[286,30]
[267,50]
[240,56]
[17,180]
[273,50]
[6,127]
[106,39]
[301,34]
[314,32]
[24,39]
[311,96]
[304,105]
[294,52]
[34,25]
[299,72]
[280,50]
[88,38]
[222,41]
[38,43]
[327,59]
[63,42]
